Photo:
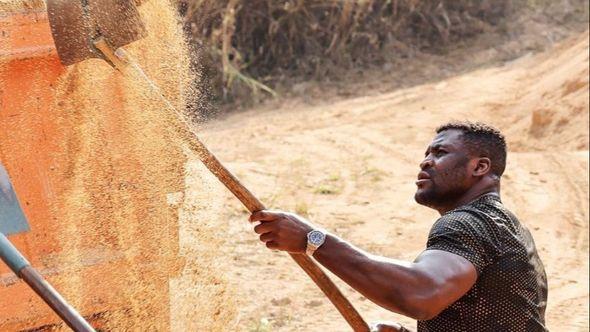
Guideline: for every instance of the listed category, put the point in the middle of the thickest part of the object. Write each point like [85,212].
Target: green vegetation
[264,325]
[325,189]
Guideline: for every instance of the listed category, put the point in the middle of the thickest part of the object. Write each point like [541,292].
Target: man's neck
[483,187]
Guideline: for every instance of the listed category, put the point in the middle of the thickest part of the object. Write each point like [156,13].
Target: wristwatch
[315,239]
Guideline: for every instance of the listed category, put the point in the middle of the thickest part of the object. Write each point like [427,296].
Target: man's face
[445,174]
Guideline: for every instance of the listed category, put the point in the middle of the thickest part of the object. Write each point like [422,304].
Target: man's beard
[437,194]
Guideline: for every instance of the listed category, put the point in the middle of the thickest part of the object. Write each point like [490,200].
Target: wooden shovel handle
[121,61]
[252,203]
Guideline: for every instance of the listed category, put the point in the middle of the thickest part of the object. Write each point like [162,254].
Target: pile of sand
[549,107]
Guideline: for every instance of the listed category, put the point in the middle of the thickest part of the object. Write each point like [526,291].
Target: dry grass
[253,43]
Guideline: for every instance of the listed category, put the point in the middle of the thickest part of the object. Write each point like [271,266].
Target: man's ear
[483,166]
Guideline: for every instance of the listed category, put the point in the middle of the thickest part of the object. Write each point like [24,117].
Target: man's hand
[282,230]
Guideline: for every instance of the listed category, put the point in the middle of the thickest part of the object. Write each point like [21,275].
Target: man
[480,270]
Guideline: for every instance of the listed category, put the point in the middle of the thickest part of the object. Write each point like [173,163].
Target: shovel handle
[10,255]
[122,62]
[21,267]
[55,300]
[346,309]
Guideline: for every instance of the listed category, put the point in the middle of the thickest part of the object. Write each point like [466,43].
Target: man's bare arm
[419,289]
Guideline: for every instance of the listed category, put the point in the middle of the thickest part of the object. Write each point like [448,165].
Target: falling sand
[119,187]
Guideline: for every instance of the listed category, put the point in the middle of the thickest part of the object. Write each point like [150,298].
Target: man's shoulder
[458,218]
[484,209]
[463,233]
[479,220]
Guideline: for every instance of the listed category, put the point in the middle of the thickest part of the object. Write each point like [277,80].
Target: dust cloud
[121,201]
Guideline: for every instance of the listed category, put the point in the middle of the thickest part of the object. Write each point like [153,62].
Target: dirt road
[350,165]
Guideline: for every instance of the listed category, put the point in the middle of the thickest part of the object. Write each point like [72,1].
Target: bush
[253,42]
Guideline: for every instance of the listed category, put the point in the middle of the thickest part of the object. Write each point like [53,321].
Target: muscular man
[480,270]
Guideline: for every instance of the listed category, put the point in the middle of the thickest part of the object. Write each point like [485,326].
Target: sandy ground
[349,166]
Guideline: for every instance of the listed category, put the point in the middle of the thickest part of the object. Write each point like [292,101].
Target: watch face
[316,237]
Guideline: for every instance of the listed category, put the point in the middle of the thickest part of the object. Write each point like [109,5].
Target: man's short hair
[482,140]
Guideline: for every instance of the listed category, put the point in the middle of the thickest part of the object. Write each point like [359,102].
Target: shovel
[13,221]
[84,29]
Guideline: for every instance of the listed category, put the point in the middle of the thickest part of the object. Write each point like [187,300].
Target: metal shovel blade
[12,218]
[75,24]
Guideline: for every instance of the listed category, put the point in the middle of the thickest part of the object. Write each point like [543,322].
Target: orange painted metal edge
[25,35]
